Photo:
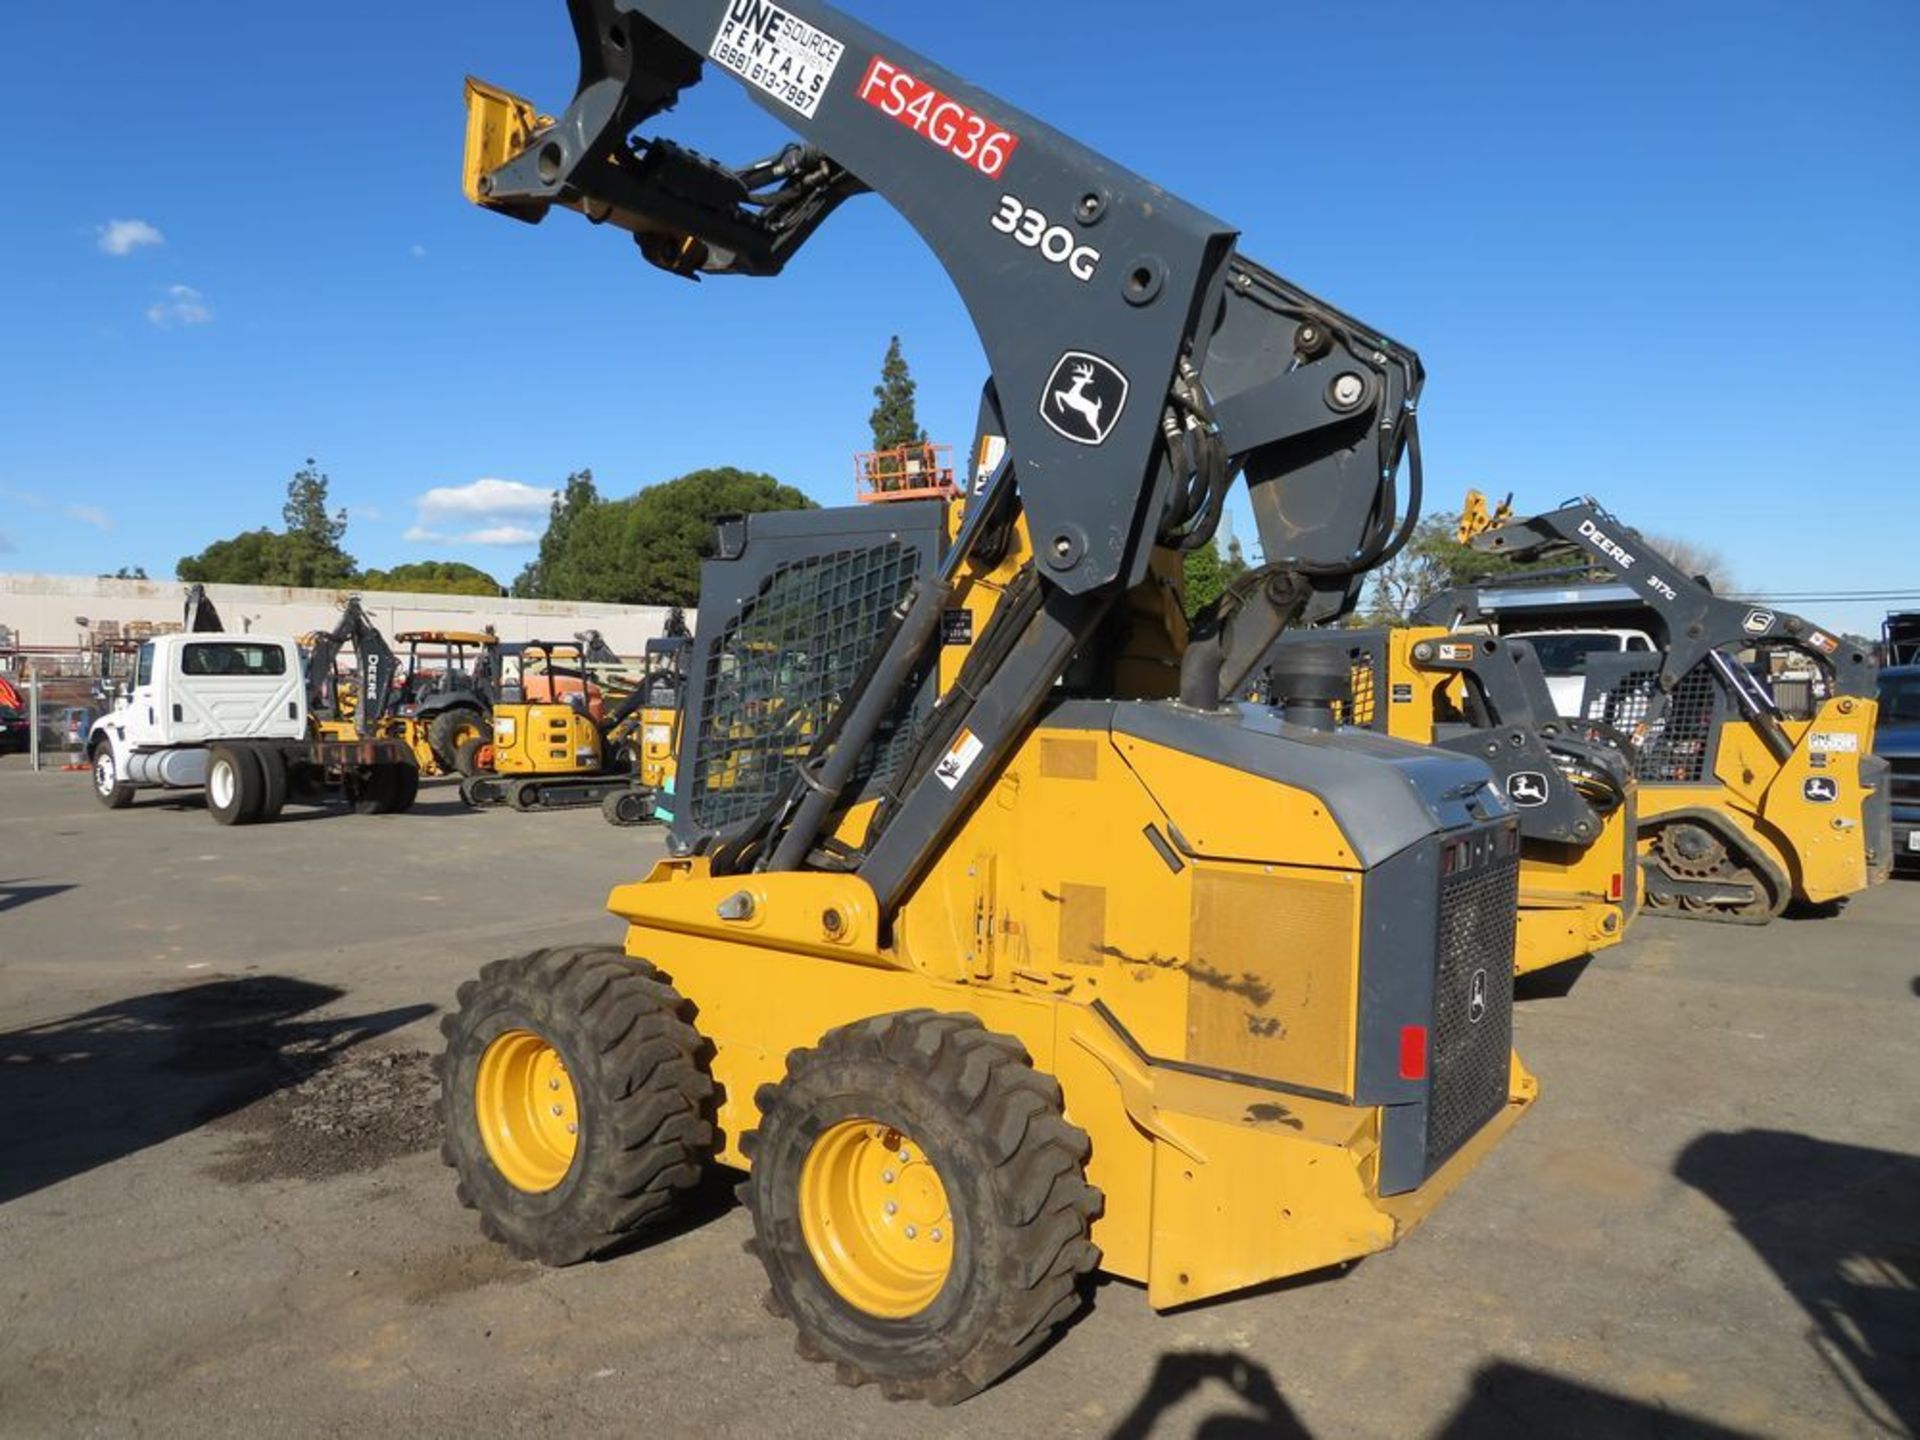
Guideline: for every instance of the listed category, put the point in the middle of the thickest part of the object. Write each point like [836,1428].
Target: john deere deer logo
[1083,398]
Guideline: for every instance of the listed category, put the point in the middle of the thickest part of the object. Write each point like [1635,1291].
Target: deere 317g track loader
[992,952]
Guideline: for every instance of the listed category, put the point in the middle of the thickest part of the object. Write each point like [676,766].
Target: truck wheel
[451,729]
[273,783]
[406,789]
[920,1204]
[108,788]
[388,789]
[236,790]
[475,756]
[573,1100]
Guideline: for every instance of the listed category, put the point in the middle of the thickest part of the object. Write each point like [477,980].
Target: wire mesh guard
[1674,746]
[782,668]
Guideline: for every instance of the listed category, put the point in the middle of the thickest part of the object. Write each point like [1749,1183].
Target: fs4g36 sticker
[1054,242]
[939,119]
[777,52]
[1084,398]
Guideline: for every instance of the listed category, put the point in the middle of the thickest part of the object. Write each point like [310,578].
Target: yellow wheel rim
[874,1215]
[529,1118]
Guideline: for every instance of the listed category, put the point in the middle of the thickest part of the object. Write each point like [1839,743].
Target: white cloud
[481,512]
[24,497]
[89,515]
[123,237]
[483,499]
[418,252]
[183,305]
[500,535]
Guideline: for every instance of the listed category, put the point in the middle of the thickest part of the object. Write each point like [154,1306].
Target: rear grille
[1473,997]
[1674,748]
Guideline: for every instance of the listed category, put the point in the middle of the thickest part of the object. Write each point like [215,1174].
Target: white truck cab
[1563,655]
[229,712]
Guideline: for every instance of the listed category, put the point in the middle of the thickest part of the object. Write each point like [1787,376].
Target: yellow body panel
[1572,899]
[1027,921]
[500,125]
[544,739]
[1819,847]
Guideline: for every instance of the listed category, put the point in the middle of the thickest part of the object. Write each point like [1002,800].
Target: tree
[576,497]
[645,549]
[308,553]
[432,577]
[1434,560]
[126,572]
[1700,562]
[254,557]
[895,426]
[1208,573]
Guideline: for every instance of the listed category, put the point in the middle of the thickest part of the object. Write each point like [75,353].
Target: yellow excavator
[991,960]
[1749,729]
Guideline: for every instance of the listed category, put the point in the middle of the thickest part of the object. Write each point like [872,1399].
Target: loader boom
[1139,362]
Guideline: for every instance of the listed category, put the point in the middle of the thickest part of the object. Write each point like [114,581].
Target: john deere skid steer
[1748,799]
[992,960]
[1483,696]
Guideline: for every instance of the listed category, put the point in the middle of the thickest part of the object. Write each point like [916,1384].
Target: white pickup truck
[229,712]
[1563,655]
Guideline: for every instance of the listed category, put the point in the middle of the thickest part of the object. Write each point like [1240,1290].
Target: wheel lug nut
[912,1234]
[938,1237]
[559,1110]
[904,1157]
[891,1207]
[572,1129]
[887,1175]
[553,1084]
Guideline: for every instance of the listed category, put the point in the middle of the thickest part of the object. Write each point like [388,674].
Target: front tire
[920,1204]
[601,1036]
[108,788]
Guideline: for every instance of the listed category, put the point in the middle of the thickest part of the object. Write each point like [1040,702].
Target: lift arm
[374,664]
[1139,362]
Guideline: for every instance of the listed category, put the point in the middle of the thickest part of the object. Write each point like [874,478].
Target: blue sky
[1665,254]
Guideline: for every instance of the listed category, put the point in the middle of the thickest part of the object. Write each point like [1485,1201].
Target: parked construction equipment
[1487,697]
[1746,802]
[966,948]
[554,746]
[449,684]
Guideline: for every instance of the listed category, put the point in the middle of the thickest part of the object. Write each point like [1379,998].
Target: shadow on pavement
[1512,1400]
[1242,1401]
[86,1090]
[1839,1225]
[1255,1411]
[1556,982]
[14,894]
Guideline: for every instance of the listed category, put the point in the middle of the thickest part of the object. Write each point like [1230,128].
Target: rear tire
[617,1046]
[452,728]
[274,783]
[406,788]
[388,789]
[936,1276]
[236,788]
[108,788]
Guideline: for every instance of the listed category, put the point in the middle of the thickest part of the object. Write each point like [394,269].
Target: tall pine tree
[895,426]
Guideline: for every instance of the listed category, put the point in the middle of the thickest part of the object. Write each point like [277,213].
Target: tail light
[1413,1052]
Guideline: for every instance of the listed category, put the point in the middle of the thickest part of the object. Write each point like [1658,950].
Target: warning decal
[777,52]
[954,765]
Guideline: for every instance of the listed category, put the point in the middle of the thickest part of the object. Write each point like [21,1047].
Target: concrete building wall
[49,609]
